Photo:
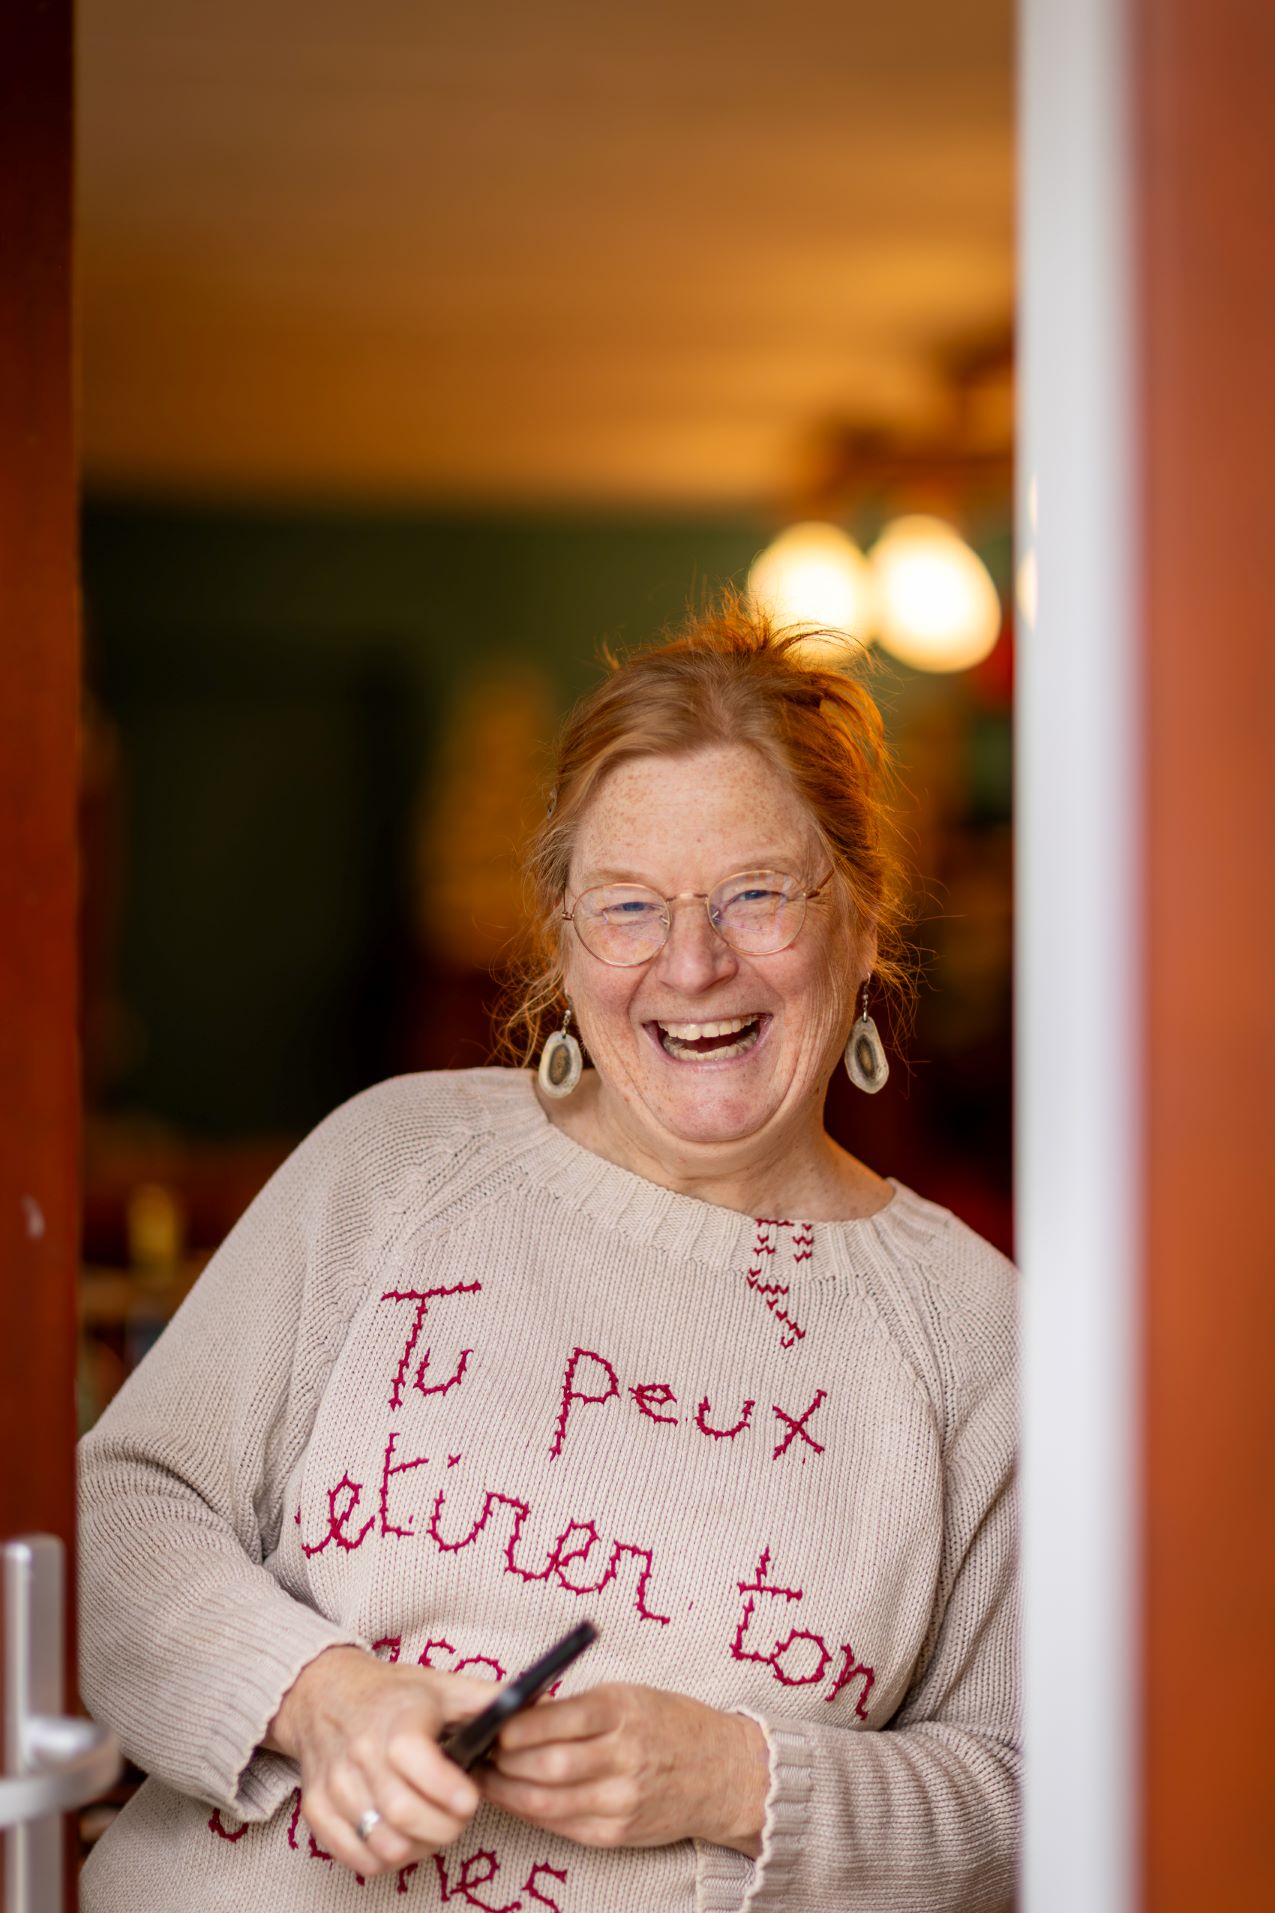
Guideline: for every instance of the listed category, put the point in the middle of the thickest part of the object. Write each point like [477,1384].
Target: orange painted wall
[1204,74]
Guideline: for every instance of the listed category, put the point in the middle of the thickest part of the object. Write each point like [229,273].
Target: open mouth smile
[718,1040]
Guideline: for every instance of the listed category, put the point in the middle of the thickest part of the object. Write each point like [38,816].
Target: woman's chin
[710,1110]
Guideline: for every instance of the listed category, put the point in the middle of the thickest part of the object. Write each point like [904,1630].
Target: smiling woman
[718,1026]
[639,1334]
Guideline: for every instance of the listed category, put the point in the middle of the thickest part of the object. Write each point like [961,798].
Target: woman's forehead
[721,803]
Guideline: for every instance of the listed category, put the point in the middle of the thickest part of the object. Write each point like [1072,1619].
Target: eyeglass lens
[757,913]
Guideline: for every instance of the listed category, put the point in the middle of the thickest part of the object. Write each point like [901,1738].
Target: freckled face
[682,824]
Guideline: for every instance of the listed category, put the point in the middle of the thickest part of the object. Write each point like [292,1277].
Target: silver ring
[367,1820]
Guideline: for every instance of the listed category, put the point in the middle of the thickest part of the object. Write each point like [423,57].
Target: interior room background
[418,366]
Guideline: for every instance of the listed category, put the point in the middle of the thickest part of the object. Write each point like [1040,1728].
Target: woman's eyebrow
[788,861]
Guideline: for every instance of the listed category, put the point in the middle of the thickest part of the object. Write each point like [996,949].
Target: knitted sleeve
[922,1816]
[188,1643]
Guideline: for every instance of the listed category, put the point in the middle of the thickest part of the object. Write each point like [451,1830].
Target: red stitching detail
[222,1832]
[569,1394]
[399,1468]
[337,1522]
[404,1875]
[737,1649]
[453,1381]
[781,1648]
[775,1293]
[319,1853]
[761,1586]
[658,1392]
[465,1885]
[491,1500]
[798,1427]
[423,1298]
[559,1555]
[619,1549]
[722,1434]
[529,1884]
[481,1660]
[850,1667]
[296,1815]
[423,1658]
[393,1641]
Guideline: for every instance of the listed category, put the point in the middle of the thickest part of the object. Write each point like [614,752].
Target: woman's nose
[694,957]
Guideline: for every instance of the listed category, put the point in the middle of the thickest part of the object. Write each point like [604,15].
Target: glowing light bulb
[937,608]
[813,574]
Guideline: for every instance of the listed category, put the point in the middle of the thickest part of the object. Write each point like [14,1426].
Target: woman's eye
[752,898]
[632,910]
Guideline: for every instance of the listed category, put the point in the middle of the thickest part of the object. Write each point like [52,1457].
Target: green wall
[278,682]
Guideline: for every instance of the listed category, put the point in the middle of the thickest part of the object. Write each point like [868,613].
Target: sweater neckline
[666,1218]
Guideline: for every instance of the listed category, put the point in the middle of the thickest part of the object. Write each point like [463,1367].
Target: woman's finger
[579,1718]
[418,1760]
[415,1817]
[562,1763]
[460,1695]
[604,1800]
[334,1832]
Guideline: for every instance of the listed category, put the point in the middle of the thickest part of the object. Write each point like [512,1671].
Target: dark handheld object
[466,1744]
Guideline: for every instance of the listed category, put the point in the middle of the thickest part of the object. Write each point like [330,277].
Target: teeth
[691,1032]
[678,1039]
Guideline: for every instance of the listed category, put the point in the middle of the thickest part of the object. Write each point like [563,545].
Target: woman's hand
[622,1766]
[364,1734]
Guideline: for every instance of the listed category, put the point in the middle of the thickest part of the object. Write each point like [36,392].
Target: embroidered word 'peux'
[589,1379]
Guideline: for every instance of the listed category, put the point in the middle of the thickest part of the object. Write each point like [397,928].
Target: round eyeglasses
[758,913]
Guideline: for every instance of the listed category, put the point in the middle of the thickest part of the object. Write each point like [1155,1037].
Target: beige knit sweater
[454,1383]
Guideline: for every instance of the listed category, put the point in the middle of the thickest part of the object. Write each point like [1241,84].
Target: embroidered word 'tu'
[422,1299]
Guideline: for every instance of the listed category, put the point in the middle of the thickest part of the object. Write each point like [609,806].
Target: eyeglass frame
[695,896]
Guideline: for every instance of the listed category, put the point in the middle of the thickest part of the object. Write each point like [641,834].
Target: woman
[638,1342]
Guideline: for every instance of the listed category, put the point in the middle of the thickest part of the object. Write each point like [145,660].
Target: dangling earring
[867,1065]
[561,1061]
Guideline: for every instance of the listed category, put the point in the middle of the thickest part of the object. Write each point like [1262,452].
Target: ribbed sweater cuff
[249,1783]
[731,1883]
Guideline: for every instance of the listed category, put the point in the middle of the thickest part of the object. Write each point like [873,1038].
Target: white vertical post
[1078,1060]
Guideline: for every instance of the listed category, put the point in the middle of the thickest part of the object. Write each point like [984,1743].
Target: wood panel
[39,1089]
[1205,159]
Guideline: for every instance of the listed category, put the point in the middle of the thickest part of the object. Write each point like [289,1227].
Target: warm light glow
[937,608]
[814,574]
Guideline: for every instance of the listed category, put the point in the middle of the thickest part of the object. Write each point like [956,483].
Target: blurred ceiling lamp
[936,606]
[813,574]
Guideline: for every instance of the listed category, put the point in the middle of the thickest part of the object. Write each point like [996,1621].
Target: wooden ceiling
[598,254]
